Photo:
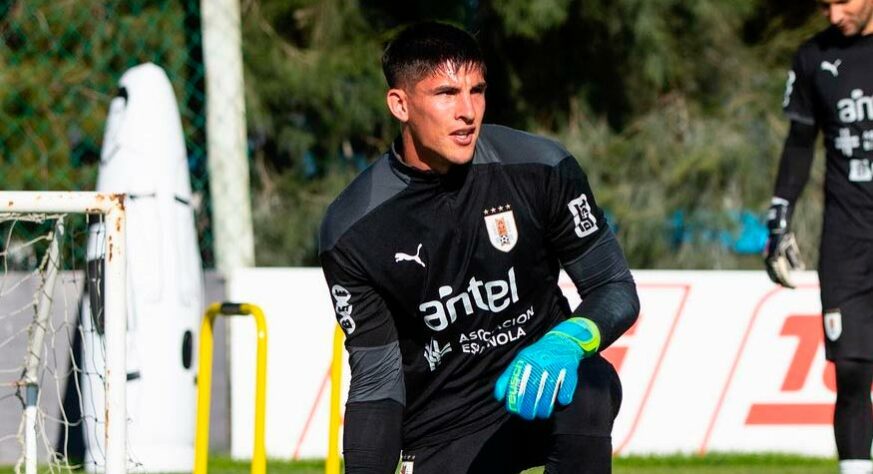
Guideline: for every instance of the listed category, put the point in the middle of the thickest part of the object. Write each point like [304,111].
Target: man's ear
[398,104]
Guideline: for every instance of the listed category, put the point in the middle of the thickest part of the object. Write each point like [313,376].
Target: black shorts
[845,273]
[577,438]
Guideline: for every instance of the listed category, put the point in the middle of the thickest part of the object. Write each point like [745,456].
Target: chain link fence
[60,62]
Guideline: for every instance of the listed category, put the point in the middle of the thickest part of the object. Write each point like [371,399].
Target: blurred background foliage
[672,107]
[60,63]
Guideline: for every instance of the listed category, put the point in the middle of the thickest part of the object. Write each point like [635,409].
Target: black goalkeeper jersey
[459,269]
[830,86]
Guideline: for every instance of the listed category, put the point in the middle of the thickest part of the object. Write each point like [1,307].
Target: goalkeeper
[442,262]
[829,89]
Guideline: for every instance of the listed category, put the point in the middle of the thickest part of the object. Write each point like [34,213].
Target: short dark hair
[420,49]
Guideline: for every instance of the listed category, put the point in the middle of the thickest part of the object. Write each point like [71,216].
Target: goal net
[56,247]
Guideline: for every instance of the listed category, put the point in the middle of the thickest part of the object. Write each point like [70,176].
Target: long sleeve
[795,162]
[609,294]
[589,252]
[374,411]
[371,438]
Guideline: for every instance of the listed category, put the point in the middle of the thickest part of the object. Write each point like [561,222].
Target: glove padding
[783,259]
[782,254]
[547,369]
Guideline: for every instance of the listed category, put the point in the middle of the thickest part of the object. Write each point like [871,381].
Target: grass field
[710,464]
[724,464]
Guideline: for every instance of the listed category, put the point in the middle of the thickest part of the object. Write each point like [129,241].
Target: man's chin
[461,159]
[460,155]
[849,31]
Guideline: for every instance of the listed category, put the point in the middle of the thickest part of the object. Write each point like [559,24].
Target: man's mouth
[463,136]
[845,27]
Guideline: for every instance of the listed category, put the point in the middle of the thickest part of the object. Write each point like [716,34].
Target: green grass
[726,463]
[679,464]
[718,463]
[223,465]
[228,466]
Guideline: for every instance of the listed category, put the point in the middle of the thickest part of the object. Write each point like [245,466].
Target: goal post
[111,207]
[51,266]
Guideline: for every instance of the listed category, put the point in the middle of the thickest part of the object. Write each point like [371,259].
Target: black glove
[782,254]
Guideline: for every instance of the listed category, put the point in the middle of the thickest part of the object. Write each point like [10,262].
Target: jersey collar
[455,177]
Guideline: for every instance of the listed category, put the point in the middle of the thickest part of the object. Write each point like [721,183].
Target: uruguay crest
[833,324]
[502,232]
[407,463]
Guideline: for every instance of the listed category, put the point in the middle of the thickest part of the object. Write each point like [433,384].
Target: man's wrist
[779,215]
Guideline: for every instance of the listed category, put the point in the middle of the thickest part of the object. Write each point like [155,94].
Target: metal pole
[115,383]
[37,336]
[226,135]
[259,455]
[111,205]
[204,390]
[204,387]
[87,202]
[332,466]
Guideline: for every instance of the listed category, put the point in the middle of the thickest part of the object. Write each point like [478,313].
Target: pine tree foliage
[56,79]
[672,107]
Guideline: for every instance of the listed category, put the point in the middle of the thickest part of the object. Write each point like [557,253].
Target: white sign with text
[718,361]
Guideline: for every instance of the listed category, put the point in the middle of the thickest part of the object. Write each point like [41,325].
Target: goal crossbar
[111,206]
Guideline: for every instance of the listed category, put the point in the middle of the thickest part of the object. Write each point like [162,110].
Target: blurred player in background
[442,260]
[830,88]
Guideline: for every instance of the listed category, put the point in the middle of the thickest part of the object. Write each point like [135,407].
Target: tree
[671,106]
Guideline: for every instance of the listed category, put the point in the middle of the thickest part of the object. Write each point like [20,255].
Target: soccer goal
[55,247]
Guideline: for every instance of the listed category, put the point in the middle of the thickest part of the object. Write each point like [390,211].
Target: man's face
[442,116]
[852,17]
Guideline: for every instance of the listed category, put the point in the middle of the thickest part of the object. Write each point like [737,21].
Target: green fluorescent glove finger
[546,407]
[559,382]
[517,386]
[540,385]
[546,399]
[528,415]
[529,398]
[568,387]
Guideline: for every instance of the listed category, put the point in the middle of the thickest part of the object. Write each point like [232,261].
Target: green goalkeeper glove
[547,369]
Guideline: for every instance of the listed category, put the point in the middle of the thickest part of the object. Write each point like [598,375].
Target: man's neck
[414,156]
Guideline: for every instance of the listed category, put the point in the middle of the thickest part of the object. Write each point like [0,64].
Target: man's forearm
[614,307]
[795,163]
[609,294]
[374,411]
[371,437]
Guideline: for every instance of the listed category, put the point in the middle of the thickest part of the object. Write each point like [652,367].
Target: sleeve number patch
[583,218]
[789,88]
[343,307]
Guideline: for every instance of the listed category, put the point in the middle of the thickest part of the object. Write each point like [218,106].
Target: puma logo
[405,257]
[831,67]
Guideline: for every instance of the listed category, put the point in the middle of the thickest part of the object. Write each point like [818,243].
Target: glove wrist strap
[582,332]
[778,216]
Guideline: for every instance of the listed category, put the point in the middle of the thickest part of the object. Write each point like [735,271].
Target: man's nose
[465,110]
[835,14]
